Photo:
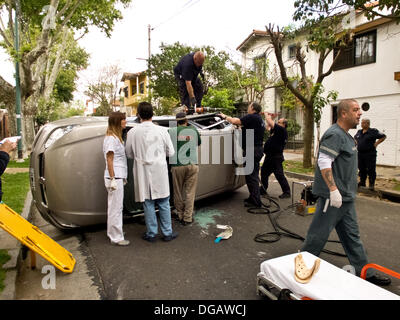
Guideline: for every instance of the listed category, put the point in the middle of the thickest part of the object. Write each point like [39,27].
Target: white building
[369,71]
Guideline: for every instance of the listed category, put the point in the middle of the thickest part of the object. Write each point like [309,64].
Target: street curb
[12,266]
[381,193]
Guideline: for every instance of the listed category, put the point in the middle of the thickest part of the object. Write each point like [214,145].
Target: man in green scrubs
[335,183]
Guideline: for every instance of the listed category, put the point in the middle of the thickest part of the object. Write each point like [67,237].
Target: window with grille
[292,51]
[141,88]
[362,50]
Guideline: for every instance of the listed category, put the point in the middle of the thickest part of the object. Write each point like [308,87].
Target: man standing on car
[190,86]
[251,121]
[149,145]
[185,169]
[335,183]
[366,146]
[273,149]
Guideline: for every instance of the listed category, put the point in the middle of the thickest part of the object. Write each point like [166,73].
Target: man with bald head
[335,184]
[186,74]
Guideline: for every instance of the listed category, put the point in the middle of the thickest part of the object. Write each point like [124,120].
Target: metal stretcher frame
[264,286]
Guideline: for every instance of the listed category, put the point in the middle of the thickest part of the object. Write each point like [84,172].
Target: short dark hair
[145,110]
[256,107]
[344,105]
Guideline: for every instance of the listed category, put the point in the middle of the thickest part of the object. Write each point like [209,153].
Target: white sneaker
[121,243]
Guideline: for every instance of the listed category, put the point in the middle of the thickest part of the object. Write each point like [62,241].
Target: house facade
[257,46]
[134,91]
[368,70]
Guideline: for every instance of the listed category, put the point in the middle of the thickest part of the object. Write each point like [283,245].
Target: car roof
[82,120]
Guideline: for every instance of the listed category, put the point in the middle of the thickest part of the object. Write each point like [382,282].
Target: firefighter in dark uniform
[273,149]
[252,121]
[189,85]
[366,145]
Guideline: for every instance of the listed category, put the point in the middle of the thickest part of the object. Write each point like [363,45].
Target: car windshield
[205,122]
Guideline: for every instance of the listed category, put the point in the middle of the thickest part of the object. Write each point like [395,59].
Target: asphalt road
[193,266]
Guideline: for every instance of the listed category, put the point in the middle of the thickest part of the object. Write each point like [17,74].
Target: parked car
[67,167]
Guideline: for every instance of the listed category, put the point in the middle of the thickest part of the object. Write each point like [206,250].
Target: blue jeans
[150,216]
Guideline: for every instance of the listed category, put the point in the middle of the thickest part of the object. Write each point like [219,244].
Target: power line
[186,6]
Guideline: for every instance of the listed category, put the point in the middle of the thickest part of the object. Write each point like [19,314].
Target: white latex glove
[336,199]
[113,184]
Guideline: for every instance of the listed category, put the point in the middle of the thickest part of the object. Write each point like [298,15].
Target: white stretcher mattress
[329,283]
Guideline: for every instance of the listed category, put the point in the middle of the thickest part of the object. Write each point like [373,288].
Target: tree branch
[10,19]
[276,41]
[7,92]
[4,35]
[78,2]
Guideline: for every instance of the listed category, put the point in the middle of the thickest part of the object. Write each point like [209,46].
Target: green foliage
[76,60]
[219,98]
[53,109]
[15,164]
[100,13]
[15,188]
[318,9]
[293,128]
[4,257]
[320,101]
[103,110]
[254,82]
[166,105]
[216,70]
[48,110]
[296,166]
[289,100]
[73,112]
[161,69]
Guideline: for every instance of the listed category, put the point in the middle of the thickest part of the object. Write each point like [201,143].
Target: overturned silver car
[67,167]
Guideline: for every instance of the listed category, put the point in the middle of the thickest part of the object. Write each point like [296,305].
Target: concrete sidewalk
[80,284]
[13,247]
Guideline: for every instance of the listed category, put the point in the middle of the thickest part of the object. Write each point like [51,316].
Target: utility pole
[17,81]
[149,29]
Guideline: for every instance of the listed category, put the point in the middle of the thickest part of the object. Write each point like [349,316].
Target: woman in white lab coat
[115,174]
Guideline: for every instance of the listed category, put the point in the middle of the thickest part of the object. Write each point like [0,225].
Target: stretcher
[276,276]
[37,241]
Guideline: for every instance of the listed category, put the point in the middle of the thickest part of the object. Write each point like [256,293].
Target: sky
[222,24]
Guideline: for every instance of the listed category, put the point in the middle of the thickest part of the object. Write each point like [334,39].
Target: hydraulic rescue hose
[273,215]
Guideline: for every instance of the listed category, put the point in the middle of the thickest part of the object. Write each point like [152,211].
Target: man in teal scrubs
[335,183]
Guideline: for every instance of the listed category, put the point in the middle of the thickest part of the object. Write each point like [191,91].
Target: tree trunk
[308,135]
[28,133]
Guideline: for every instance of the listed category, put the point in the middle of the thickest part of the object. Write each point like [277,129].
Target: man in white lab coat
[149,145]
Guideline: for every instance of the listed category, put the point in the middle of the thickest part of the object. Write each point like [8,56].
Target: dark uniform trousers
[253,180]
[273,164]
[197,89]
[367,167]
[344,220]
